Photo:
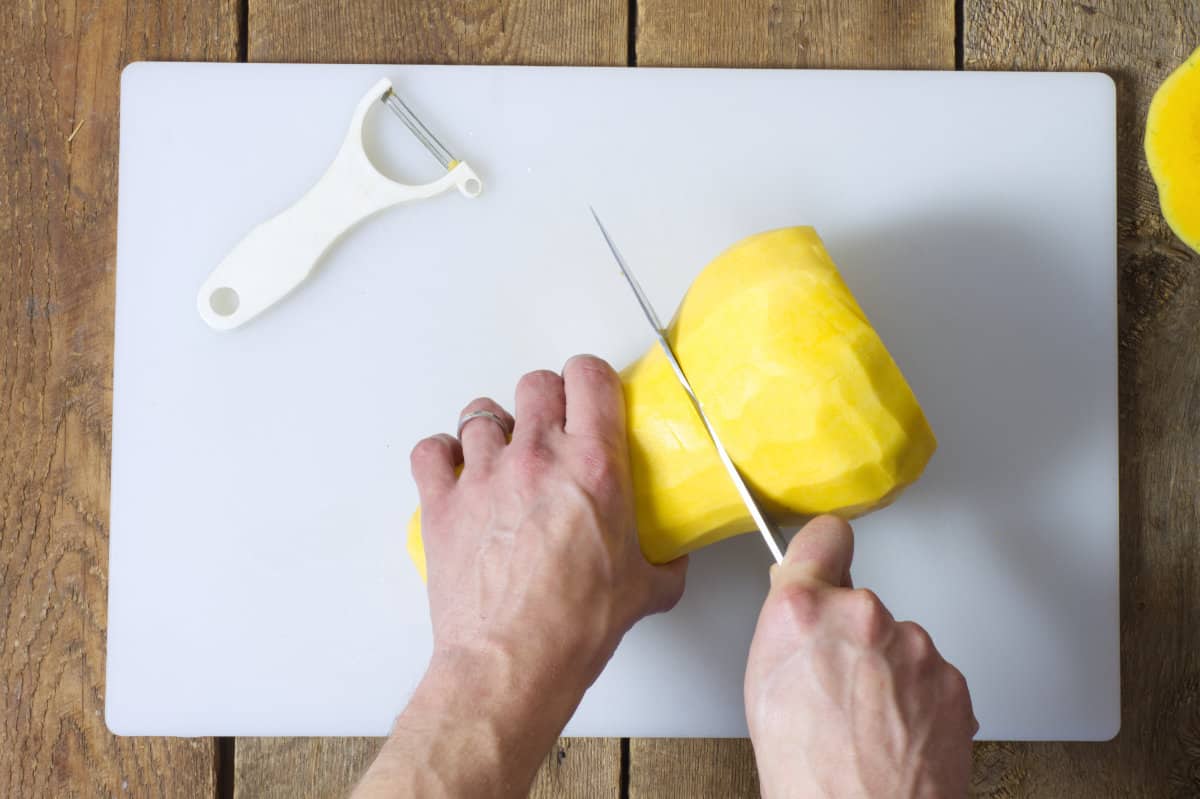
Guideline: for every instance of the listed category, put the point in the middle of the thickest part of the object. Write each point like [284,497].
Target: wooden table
[58,97]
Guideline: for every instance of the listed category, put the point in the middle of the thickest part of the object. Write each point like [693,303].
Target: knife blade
[770,532]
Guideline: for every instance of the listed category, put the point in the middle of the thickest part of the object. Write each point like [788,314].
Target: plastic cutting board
[260,487]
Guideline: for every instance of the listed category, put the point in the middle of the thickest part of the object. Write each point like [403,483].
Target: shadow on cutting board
[1032,293]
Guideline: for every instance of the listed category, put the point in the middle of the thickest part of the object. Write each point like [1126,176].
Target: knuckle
[868,618]
[800,603]
[956,683]
[919,641]
[601,471]
[532,463]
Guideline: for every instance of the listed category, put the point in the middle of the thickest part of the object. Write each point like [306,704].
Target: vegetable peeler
[277,255]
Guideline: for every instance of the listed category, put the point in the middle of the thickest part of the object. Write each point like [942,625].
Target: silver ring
[481,415]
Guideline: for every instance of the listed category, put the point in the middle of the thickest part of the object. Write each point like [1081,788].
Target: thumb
[820,553]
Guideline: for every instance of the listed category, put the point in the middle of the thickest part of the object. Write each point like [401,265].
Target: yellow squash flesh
[798,385]
[1173,149]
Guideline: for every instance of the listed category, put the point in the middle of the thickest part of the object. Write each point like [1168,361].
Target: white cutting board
[260,487]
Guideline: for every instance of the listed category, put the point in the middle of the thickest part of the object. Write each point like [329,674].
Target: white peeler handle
[277,255]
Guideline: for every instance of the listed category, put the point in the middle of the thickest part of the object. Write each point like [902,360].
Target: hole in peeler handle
[472,186]
[224,301]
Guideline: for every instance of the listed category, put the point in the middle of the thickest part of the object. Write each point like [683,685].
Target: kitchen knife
[770,533]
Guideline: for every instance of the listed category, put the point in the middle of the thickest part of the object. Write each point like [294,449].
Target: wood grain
[577,768]
[696,768]
[58,188]
[592,32]
[769,33]
[1157,754]
[583,32]
[288,768]
[881,34]
[580,768]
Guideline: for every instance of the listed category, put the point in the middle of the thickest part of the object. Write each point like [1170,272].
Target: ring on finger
[483,415]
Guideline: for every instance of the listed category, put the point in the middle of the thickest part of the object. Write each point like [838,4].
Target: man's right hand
[843,700]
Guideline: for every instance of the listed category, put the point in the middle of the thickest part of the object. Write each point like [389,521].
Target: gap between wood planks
[226,769]
[630,61]
[631,41]
[623,790]
[226,749]
[958,35]
[243,34]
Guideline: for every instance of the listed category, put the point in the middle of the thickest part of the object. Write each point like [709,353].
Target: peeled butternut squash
[798,385]
[1173,149]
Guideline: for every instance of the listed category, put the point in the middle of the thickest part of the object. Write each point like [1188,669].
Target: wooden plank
[692,768]
[588,32]
[580,768]
[577,768]
[58,189]
[880,34]
[769,33]
[1158,750]
[591,32]
[314,768]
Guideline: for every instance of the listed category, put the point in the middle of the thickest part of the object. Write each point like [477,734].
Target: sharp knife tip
[607,238]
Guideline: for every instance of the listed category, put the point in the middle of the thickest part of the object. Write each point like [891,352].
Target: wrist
[514,683]
[478,724]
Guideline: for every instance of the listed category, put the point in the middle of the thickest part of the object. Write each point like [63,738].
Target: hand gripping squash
[798,385]
[1173,149]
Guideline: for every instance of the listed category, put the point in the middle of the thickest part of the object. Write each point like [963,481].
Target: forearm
[475,727]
